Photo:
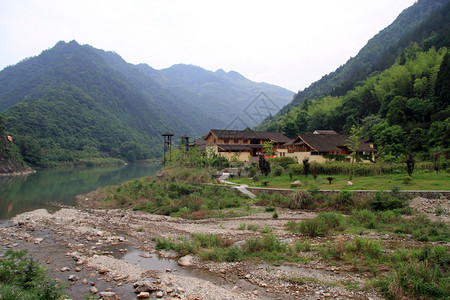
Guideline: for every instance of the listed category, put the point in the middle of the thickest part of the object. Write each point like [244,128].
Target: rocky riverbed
[110,254]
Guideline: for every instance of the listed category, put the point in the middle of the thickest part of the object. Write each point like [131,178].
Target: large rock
[296,183]
[144,286]
[187,260]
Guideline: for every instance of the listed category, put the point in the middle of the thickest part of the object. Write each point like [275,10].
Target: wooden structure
[243,145]
[317,146]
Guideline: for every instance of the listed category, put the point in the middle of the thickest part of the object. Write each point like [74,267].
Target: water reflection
[39,190]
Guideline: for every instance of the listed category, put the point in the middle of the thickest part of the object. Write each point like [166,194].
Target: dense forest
[422,20]
[404,108]
[10,158]
[73,103]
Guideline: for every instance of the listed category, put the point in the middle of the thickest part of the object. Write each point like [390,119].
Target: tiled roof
[250,134]
[331,142]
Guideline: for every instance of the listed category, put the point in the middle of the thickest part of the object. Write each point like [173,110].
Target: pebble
[38,240]
[107,295]
[143,295]
[159,294]
[65,269]
[73,278]
[93,290]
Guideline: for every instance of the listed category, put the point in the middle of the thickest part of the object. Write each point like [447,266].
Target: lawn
[418,181]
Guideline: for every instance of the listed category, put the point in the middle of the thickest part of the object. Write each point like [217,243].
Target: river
[46,187]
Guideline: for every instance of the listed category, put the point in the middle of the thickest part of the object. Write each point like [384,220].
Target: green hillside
[404,108]
[224,95]
[426,19]
[70,104]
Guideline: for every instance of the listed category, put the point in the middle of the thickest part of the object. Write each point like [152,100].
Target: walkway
[241,188]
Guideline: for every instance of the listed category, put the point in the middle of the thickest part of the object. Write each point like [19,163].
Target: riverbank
[87,249]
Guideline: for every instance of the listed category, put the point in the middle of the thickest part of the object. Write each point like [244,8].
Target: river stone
[159,294]
[186,261]
[107,295]
[144,286]
[73,278]
[143,295]
[93,290]
[239,244]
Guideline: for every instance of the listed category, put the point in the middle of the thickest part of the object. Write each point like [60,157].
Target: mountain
[226,96]
[403,108]
[75,101]
[378,54]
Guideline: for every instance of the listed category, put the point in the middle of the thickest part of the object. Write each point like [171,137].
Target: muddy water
[46,187]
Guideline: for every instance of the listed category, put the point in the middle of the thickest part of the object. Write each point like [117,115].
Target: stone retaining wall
[357,193]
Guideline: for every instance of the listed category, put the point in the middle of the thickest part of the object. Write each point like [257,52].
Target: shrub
[270,209]
[22,277]
[300,200]
[333,220]
[385,201]
[277,171]
[284,161]
[296,169]
[313,228]
[364,217]
[344,200]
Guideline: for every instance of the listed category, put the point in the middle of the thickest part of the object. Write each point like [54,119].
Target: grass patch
[421,180]
[179,198]
[418,273]
[21,277]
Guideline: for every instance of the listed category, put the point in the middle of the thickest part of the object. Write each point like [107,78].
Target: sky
[290,43]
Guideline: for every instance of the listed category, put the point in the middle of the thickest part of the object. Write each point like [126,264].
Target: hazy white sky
[291,43]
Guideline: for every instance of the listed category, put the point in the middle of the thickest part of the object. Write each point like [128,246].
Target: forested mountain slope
[224,95]
[75,101]
[403,109]
[425,19]
[70,101]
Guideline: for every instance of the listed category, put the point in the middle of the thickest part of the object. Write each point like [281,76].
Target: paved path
[241,188]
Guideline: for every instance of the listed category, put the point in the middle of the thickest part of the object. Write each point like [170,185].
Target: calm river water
[19,194]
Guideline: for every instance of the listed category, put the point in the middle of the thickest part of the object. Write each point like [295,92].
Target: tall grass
[418,273]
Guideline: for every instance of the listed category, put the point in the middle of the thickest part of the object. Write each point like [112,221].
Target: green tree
[389,140]
[352,144]
[396,114]
[268,148]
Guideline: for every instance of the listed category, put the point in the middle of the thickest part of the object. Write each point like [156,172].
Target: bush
[313,228]
[277,171]
[22,277]
[296,169]
[344,200]
[284,161]
[300,200]
[365,217]
[384,201]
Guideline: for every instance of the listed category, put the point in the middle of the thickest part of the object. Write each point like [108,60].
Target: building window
[225,141]
[236,141]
